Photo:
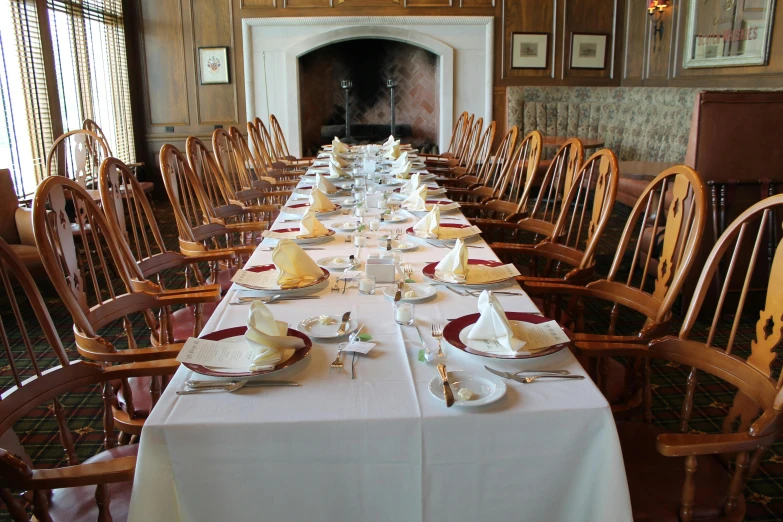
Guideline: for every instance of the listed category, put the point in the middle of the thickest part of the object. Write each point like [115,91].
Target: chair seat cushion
[30,258]
[655,481]
[71,504]
[183,320]
[140,391]
[224,278]
[147,186]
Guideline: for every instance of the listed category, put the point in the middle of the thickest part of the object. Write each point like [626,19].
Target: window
[25,124]
[84,51]
[88,40]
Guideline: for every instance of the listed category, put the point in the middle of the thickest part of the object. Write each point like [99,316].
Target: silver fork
[336,287]
[534,378]
[407,269]
[338,363]
[437,333]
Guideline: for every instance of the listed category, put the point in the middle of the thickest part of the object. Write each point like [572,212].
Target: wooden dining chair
[275,189]
[202,227]
[568,256]
[93,127]
[78,155]
[281,147]
[466,176]
[98,488]
[475,133]
[629,305]
[506,178]
[110,309]
[262,156]
[131,218]
[682,474]
[457,135]
[507,221]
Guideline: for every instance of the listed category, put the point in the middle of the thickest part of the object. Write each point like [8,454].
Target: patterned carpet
[37,431]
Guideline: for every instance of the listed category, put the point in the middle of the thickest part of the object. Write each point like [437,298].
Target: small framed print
[529,50]
[588,50]
[213,65]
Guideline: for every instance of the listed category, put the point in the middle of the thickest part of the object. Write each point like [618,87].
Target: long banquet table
[381,447]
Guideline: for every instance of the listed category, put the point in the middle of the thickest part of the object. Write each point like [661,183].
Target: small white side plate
[400,246]
[312,327]
[423,292]
[394,218]
[486,390]
[330,263]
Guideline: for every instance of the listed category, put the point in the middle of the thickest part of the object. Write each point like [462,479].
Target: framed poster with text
[728,33]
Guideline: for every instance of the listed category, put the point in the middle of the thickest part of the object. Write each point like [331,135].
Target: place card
[540,336]
[456,233]
[478,274]
[217,354]
[359,347]
[266,279]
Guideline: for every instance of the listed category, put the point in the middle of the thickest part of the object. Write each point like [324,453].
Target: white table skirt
[380,447]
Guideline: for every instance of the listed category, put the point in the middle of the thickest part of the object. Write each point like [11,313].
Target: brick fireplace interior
[368,63]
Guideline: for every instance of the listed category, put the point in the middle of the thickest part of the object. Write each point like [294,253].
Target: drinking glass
[366,284]
[404,313]
[374,224]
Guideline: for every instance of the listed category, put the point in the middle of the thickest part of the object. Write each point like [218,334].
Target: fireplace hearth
[368,64]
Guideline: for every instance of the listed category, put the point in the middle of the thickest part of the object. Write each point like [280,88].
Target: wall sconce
[656,8]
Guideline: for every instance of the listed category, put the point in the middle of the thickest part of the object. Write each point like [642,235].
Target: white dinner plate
[305,193]
[423,292]
[486,390]
[347,226]
[334,262]
[394,218]
[300,210]
[313,328]
[400,246]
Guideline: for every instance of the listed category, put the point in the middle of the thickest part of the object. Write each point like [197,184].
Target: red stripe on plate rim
[220,335]
[452,330]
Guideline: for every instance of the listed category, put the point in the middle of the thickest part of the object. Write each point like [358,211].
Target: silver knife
[344,323]
[515,377]
[447,393]
[223,384]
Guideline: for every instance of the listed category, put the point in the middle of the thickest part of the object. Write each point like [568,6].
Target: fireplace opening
[368,64]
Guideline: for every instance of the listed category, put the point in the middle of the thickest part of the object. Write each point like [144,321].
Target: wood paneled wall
[661,64]
[168,33]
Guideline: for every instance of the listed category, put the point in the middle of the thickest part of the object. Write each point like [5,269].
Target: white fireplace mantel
[272,46]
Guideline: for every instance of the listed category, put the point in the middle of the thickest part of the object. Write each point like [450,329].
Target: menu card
[271,234]
[217,354]
[540,336]
[267,279]
[478,274]
[456,233]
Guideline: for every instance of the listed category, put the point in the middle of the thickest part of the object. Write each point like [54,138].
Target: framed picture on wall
[588,50]
[213,65]
[529,50]
[728,33]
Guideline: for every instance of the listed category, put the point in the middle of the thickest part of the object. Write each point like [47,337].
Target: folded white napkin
[335,171]
[390,141]
[324,185]
[338,146]
[455,265]
[417,200]
[493,325]
[268,336]
[294,266]
[337,161]
[392,152]
[310,226]
[429,226]
[401,160]
[319,202]
[401,171]
[410,185]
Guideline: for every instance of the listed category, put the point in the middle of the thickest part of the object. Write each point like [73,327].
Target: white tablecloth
[380,447]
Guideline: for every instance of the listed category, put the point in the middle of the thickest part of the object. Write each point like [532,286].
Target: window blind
[88,40]
[25,124]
